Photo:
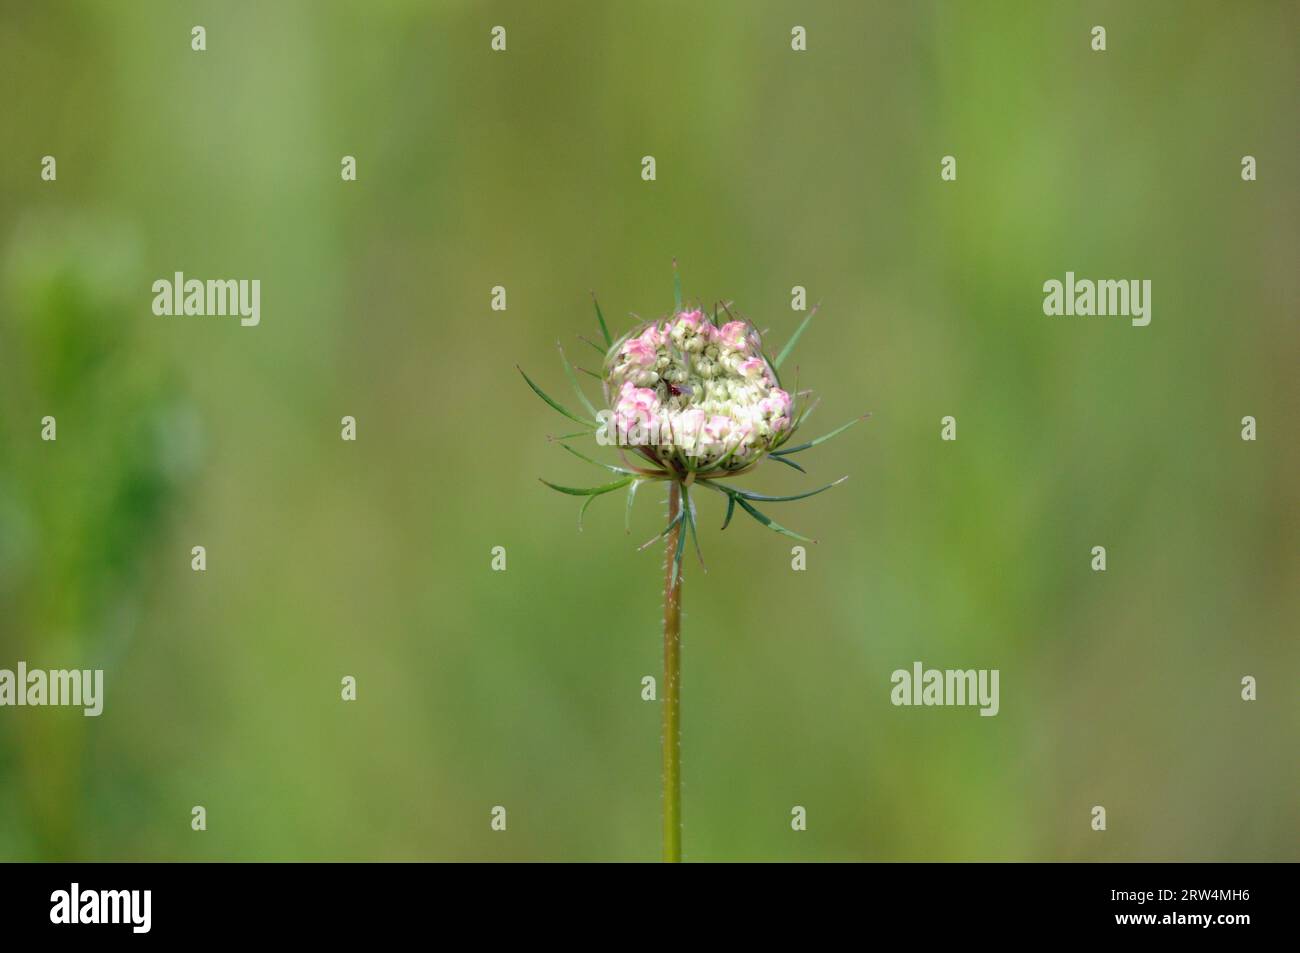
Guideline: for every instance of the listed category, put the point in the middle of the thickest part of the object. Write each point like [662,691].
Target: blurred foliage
[522,169]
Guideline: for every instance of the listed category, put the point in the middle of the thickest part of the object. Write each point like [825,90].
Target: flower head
[700,402]
[701,397]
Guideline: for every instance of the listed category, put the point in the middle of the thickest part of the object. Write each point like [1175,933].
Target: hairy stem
[672,687]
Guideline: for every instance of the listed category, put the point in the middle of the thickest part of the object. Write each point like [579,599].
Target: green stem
[672,698]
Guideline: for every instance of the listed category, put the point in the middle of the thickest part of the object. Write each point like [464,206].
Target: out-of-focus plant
[78,513]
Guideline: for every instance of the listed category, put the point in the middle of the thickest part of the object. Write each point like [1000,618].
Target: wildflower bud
[708,392]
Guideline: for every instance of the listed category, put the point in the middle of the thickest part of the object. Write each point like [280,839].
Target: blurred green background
[478,688]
